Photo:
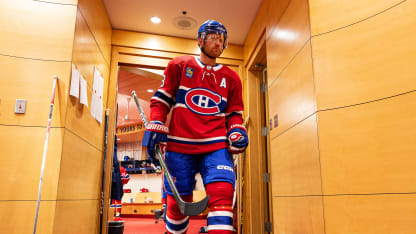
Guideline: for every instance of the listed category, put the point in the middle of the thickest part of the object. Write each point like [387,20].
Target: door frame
[135,49]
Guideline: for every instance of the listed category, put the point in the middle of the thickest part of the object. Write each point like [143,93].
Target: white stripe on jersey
[220,213]
[165,93]
[177,222]
[161,100]
[199,62]
[218,67]
[180,105]
[184,88]
[220,227]
[197,140]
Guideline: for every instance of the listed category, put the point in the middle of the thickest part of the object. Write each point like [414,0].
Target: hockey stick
[107,113]
[186,208]
[45,150]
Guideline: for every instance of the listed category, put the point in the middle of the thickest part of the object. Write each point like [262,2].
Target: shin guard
[220,216]
[176,222]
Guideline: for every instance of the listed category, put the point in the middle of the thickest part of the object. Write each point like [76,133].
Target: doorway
[257,161]
[133,54]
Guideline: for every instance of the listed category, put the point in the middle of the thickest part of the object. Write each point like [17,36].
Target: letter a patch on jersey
[189,72]
[223,83]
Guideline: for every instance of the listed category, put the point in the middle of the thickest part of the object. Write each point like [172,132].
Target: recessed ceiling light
[155,19]
[150,90]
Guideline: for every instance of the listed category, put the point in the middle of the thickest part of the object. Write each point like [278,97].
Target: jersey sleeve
[235,105]
[164,98]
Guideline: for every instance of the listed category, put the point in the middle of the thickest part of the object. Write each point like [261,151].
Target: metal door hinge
[264,131]
[266,177]
[268,227]
[263,87]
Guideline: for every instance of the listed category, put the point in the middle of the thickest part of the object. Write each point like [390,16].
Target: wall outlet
[20,106]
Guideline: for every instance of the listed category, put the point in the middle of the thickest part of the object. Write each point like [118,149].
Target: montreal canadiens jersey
[205,102]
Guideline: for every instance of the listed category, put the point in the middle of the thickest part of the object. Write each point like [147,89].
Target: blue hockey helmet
[212,26]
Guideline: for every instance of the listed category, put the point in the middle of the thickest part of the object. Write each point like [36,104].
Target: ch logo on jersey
[203,101]
[189,72]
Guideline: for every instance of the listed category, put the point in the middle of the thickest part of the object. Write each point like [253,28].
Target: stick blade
[195,208]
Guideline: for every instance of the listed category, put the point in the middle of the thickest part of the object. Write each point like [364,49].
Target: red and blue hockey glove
[156,133]
[237,138]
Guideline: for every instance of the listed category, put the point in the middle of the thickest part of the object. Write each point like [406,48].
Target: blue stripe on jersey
[164,97]
[232,114]
[180,98]
[220,220]
[194,142]
[177,227]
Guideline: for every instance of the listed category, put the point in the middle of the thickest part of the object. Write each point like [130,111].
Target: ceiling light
[155,19]
[150,90]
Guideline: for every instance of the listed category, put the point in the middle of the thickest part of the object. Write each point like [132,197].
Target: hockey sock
[220,216]
[176,222]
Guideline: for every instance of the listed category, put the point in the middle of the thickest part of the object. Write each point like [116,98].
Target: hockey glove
[156,133]
[238,139]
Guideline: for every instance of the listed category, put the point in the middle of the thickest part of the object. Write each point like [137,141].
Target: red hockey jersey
[205,101]
[125,177]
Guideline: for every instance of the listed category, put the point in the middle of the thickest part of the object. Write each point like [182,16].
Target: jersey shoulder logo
[203,101]
[189,72]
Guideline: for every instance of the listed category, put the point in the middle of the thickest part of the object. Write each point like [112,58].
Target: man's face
[213,44]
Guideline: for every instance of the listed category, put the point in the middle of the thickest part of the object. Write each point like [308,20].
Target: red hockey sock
[176,222]
[220,216]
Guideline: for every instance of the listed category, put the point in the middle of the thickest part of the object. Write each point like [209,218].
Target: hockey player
[205,128]
[116,203]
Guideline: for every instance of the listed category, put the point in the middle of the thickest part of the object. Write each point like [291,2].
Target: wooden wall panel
[32,35]
[32,80]
[343,13]
[298,215]
[275,10]
[127,51]
[370,214]
[367,61]
[256,31]
[77,217]
[21,157]
[369,148]
[17,217]
[166,43]
[266,21]
[296,169]
[95,14]
[290,37]
[292,93]
[145,61]
[81,168]
[86,55]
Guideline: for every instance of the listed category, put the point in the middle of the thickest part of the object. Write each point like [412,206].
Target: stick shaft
[107,113]
[159,153]
[45,150]
[140,108]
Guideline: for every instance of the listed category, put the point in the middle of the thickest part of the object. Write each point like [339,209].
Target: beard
[213,53]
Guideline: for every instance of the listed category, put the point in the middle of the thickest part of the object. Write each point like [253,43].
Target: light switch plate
[20,106]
